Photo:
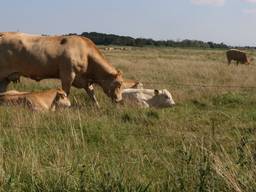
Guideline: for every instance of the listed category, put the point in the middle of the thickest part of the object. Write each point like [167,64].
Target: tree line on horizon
[111,39]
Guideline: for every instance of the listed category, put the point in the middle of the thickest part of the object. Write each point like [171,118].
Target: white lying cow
[148,97]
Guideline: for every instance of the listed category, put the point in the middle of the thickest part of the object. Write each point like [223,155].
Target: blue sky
[229,21]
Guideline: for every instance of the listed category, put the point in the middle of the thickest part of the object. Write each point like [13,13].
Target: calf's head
[61,100]
[163,98]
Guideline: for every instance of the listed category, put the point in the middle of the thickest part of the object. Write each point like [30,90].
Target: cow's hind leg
[14,77]
[4,84]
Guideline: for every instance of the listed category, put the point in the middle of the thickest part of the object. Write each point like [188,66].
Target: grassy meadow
[207,142]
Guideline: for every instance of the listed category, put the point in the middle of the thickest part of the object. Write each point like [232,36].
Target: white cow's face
[163,98]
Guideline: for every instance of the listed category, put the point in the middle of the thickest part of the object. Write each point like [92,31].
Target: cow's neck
[104,75]
[106,82]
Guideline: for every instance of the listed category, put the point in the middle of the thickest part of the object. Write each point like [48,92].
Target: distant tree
[69,34]
[111,39]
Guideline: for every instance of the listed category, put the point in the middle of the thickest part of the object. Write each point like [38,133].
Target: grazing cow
[74,60]
[148,98]
[37,101]
[237,55]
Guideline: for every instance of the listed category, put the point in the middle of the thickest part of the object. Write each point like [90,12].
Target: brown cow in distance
[75,60]
[237,55]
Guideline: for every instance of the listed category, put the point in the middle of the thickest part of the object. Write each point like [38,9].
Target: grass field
[207,142]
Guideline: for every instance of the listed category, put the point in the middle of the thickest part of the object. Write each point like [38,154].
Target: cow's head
[61,100]
[247,61]
[250,60]
[163,98]
[115,88]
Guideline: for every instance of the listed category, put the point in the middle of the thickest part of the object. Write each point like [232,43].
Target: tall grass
[205,143]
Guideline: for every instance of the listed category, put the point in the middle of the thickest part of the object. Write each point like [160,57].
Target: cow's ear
[61,94]
[119,73]
[156,92]
[118,84]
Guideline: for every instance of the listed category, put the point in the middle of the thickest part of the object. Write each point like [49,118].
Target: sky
[230,21]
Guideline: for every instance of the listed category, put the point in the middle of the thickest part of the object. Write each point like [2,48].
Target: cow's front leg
[90,91]
[83,82]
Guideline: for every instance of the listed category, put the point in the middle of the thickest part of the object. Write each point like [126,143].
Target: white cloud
[250,1]
[210,2]
[249,11]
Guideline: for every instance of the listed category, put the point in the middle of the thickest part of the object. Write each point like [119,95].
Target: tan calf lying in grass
[37,101]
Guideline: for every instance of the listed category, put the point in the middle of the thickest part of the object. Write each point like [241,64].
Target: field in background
[206,142]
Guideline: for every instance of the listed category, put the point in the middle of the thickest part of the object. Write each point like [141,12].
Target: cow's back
[129,83]
[38,56]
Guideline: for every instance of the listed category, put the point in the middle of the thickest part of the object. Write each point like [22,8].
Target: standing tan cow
[237,55]
[74,60]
